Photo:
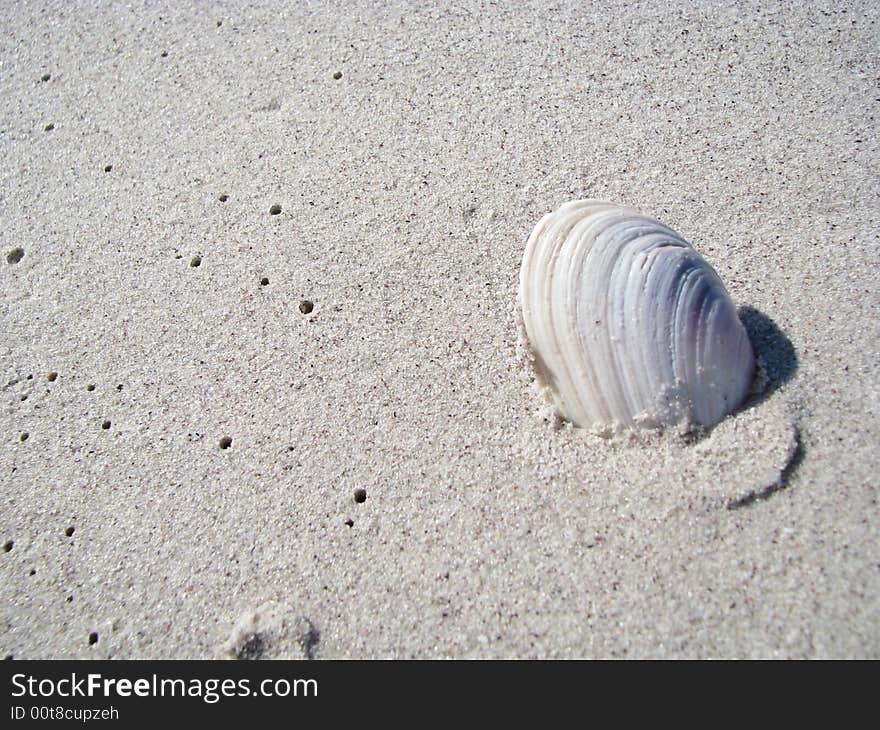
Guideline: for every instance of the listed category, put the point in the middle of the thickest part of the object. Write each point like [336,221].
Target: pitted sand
[411,149]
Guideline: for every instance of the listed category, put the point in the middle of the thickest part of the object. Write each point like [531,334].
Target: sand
[411,149]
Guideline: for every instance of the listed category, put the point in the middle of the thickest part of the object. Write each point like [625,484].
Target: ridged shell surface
[627,324]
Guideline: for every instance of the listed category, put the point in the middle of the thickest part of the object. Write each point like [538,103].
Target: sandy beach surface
[154,311]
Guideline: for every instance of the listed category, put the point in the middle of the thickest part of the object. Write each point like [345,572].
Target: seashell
[627,324]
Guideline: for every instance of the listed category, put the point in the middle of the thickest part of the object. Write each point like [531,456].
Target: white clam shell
[627,324]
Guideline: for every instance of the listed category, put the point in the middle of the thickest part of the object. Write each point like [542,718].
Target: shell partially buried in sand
[627,324]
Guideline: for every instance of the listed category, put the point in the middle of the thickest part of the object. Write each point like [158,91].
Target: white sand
[408,187]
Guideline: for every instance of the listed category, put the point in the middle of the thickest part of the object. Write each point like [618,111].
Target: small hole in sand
[349,522]
[106,425]
[23,396]
[15,255]
[93,638]
[52,377]
[69,599]
[253,647]
[69,531]
[225,442]
[360,495]
[306,307]
[8,545]
[275,209]
[195,261]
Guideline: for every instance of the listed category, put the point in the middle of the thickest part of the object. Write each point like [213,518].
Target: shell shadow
[778,362]
[773,351]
